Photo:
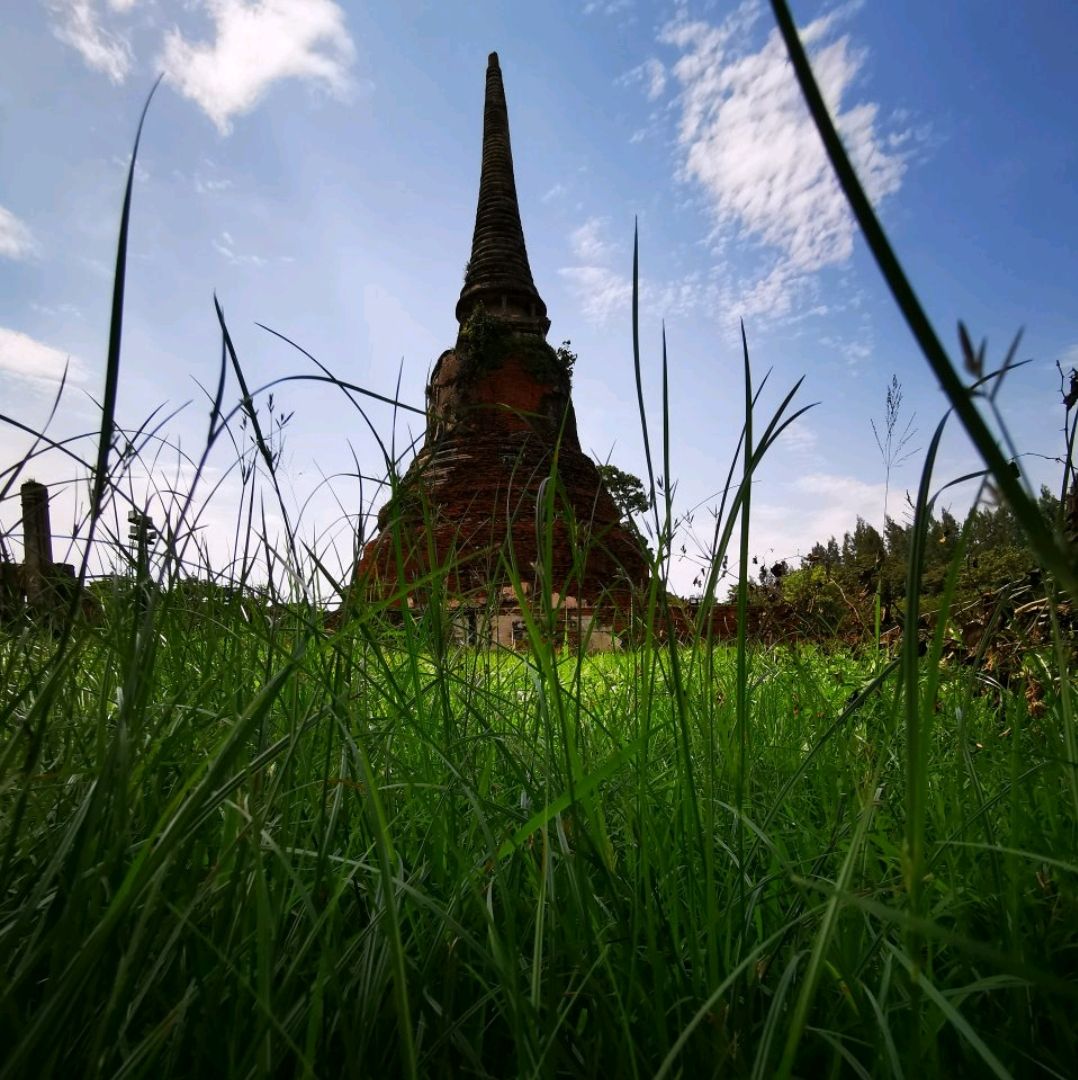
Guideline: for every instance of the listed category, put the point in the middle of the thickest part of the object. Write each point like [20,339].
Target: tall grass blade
[1052,553]
[116,321]
[954,1018]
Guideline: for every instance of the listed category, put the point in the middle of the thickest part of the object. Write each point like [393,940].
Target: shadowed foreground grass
[251,849]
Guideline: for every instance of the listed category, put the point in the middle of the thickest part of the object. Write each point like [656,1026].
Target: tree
[817,597]
[863,548]
[626,490]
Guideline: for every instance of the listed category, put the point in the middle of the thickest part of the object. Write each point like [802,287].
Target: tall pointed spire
[498,275]
[500,417]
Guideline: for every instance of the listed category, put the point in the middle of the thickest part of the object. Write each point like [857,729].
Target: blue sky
[316,163]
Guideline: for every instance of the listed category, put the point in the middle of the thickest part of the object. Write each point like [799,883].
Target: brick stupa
[499,408]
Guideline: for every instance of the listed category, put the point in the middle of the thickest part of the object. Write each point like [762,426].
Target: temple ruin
[37,585]
[500,480]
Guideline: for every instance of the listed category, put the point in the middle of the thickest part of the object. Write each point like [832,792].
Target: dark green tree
[626,490]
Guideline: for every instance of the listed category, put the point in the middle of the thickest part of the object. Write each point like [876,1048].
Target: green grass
[251,849]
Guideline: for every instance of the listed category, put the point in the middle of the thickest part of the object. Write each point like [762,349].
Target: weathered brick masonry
[499,413]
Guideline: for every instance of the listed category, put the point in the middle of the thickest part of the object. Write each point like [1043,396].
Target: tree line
[839,582]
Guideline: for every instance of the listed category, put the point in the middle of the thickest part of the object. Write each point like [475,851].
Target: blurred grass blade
[581,789]
[1054,555]
[954,1017]
[112,359]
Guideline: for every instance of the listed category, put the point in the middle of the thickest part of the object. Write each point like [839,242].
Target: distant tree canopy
[838,581]
[626,490]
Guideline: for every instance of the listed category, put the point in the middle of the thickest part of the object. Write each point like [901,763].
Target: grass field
[249,849]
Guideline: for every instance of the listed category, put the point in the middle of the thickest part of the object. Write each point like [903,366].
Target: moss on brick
[485,342]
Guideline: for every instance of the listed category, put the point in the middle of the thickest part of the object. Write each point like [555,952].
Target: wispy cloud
[208,185]
[747,139]
[255,44]
[651,74]
[588,243]
[799,437]
[607,7]
[81,24]
[32,360]
[786,522]
[600,290]
[142,174]
[16,240]
[835,501]
[226,246]
[558,191]
[54,311]
[864,498]
[852,351]
[788,517]
[603,291]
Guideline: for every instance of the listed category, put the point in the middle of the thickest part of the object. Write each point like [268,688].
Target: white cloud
[142,174]
[748,140]
[853,350]
[16,240]
[788,518]
[56,311]
[210,186]
[97,267]
[856,352]
[587,242]
[559,190]
[656,78]
[607,7]
[226,246]
[771,296]
[836,502]
[849,489]
[602,291]
[652,73]
[78,23]
[26,358]
[256,43]
[799,438]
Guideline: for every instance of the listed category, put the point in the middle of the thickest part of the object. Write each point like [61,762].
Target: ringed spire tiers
[500,424]
[498,274]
